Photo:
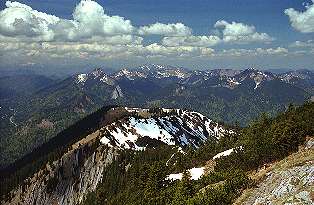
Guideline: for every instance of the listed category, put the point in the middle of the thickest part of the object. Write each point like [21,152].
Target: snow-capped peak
[96,75]
[290,76]
[81,78]
[169,126]
[151,70]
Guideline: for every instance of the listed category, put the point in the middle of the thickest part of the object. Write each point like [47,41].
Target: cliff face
[67,180]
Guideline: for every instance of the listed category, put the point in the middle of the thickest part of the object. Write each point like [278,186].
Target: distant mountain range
[34,108]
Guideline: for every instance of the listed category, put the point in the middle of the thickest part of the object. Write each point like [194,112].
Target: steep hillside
[67,180]
[14,89]
[40,117]
[22,85]
[69,171]
[151,177]
[122,162]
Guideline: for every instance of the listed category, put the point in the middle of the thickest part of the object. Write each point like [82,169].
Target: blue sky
[195,34]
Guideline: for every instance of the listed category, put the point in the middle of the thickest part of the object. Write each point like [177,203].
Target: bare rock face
[291,186]
[289,181]
[117,93]
[69,179]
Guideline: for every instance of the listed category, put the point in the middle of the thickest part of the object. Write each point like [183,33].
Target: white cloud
[177,29]
[21,20]
[91,33]
[107,51]
[233,33]
[302,44]
[116,39]
[197,41]
[253,52]
[178,51]
[89,20]
[241,33]
[104,51]
[272,51]
[302,21]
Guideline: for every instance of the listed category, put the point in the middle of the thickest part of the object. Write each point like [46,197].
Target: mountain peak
[170,126]
[257,76]
[152,70]
[96,74]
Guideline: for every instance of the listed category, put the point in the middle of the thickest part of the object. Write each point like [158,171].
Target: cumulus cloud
[89,20]
[240,33]
[21,20]
[197,41]
[235,33]
[91,33]
[177,29]
[302,21]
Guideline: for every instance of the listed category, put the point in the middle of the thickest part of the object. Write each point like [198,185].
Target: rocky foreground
[289,181]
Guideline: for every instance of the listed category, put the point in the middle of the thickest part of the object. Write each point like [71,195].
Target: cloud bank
[91,33]
[91,23]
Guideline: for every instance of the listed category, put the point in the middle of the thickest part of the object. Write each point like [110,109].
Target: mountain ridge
[85,170]
[94,138]
[232,96]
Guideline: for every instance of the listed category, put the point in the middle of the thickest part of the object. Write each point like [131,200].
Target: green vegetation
[139,177]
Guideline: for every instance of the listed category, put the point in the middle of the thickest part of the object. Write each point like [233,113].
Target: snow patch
[82,78]
[256,85]
[196,174]
[224,153]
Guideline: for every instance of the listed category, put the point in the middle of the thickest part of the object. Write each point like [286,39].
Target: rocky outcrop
[69,179]
[117,93]
[289,182]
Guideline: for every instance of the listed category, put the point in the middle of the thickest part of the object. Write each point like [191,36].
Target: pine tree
[184,189]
